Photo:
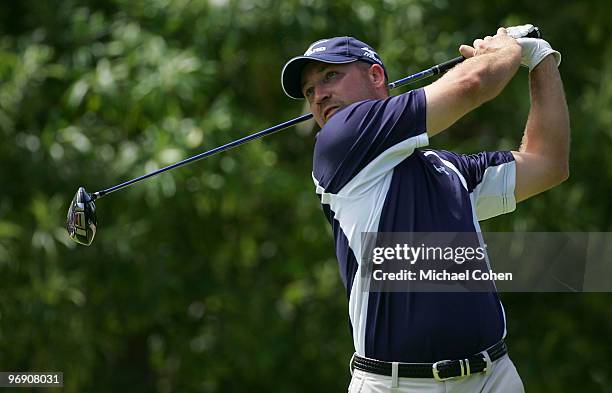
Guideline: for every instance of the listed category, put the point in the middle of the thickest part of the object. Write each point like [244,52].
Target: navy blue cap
[337,50]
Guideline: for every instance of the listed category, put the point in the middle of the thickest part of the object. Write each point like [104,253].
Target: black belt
[440,371]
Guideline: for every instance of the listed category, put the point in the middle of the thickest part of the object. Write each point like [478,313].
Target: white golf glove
[519,31]
[534,49]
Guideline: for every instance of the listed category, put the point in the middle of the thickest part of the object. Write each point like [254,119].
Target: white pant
[503,378]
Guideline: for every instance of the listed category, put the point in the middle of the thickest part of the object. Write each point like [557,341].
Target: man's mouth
[329,111]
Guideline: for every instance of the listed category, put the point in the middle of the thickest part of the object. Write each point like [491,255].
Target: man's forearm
[547,132]
[489,67]
[494,71]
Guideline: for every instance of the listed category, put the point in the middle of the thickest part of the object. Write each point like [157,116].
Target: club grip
[535,33]
[447,65]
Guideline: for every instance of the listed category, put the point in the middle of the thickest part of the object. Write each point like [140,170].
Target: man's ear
[377,75]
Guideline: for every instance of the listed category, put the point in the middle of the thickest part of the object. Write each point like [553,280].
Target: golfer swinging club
[372,175]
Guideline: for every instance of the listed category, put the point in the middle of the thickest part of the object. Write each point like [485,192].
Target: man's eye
[330,75]
[308,92]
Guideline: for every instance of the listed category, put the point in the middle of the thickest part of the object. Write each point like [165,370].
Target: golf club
[81,221]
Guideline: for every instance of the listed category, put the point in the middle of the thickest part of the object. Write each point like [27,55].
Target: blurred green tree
[221,276]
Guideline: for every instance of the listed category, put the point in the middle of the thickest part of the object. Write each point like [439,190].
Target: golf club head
[81,221]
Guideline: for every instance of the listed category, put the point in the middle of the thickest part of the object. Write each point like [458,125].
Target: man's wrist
[547,64]
[511,55]
[517,52]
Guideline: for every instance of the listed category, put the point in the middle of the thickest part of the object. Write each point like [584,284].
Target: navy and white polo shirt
[372,176]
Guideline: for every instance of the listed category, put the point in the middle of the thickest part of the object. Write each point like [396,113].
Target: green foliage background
[221,276]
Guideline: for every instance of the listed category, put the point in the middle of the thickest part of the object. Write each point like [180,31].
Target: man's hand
[535,50]
[498,42]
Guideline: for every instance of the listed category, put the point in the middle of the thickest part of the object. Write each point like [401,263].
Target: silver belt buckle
[436,372]
[465,369]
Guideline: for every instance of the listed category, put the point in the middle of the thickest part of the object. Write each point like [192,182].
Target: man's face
[330,87]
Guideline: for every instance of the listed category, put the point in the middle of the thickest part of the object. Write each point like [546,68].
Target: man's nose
[321,94]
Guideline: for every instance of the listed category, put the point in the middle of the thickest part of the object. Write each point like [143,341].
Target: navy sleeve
[490,179]
[380,133]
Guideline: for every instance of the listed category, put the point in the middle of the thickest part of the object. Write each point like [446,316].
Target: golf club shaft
[435,70]
[208,153]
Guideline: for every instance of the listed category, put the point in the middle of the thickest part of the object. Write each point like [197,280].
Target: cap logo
[312,51]
[371,54]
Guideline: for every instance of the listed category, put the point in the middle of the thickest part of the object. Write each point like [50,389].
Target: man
[372,176]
